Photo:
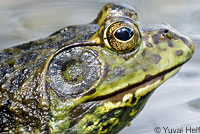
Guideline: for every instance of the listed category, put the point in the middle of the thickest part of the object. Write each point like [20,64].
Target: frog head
[100,84]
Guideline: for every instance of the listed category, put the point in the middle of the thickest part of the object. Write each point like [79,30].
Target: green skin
[39,96]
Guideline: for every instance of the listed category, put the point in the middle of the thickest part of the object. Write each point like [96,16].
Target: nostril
[166,33]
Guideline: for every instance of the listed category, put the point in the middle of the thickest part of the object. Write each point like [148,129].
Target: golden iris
[122,36]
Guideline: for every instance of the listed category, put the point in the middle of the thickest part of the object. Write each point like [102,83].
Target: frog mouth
[147,85]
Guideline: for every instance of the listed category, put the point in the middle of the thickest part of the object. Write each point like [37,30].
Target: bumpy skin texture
[74,81]
[21,70]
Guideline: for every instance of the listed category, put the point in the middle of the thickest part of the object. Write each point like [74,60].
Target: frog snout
[169,31]
[188,42]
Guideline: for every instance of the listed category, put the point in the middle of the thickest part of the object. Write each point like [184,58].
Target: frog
[90,78]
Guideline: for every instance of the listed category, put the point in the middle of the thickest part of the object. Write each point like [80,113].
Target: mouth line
[129,88]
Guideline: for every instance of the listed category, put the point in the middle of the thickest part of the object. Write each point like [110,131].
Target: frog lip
[132,88]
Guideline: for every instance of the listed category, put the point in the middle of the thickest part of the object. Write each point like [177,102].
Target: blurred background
[175,104]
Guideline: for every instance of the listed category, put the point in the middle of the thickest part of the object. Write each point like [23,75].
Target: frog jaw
[142,88]
[117,111]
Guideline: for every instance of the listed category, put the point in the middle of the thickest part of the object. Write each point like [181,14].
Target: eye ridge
[123,33]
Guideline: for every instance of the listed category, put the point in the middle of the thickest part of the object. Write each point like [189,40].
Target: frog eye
[124,33]
[122,36]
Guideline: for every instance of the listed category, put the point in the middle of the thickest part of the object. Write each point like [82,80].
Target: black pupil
[124,33]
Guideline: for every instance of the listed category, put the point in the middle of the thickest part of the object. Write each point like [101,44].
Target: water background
[175,104]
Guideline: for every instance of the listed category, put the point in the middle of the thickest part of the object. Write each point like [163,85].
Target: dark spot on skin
[170,44]
[179,52]
[175,36]
[133,100]
[144,52]
[186,42]
[155,58]
[148,44]
[106,127]
[156,38]
[89,123]
[95,130]
[144,69]
[106,70]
